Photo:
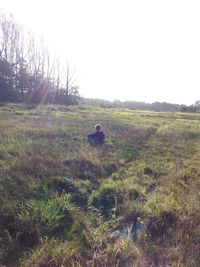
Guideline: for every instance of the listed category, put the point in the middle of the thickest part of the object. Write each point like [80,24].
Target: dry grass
[64,203]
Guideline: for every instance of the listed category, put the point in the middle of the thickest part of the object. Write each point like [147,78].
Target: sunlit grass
[61,201]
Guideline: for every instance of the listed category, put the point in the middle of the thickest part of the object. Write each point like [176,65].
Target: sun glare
[128,50]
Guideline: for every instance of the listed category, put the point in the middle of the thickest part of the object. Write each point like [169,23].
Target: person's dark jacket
[96,138]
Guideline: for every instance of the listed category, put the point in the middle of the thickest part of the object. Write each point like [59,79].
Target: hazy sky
[143,50]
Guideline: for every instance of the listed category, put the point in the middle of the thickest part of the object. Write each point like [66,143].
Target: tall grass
[64,203]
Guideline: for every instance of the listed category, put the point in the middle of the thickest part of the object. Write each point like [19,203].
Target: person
[98,137]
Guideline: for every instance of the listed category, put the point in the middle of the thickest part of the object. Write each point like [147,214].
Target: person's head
[98,127]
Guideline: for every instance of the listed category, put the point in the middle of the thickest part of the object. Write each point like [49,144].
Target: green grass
[62,201]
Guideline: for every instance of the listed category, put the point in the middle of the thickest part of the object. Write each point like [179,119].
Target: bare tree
[27,69]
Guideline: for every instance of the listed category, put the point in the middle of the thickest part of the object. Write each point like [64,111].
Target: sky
[138,50]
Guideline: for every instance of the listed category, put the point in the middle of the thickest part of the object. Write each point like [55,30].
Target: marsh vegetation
[65,203]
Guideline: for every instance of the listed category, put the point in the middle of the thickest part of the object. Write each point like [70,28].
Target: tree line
[156,106]
[28,72]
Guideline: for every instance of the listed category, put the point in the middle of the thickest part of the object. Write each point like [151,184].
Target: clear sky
[143,50]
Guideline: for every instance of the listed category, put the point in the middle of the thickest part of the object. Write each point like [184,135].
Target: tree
[197,105]
[27,72]
[6,83]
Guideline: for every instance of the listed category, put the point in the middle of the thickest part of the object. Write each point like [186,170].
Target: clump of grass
[112,195]
[77,190]
[104,199]
[23,223]
[124,252]
[53,253]
[53,216]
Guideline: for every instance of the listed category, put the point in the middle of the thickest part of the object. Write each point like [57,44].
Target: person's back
[98,137]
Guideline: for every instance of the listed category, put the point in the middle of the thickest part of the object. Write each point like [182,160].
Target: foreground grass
[64,203]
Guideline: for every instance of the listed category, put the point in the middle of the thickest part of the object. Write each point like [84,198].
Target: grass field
[134,201]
